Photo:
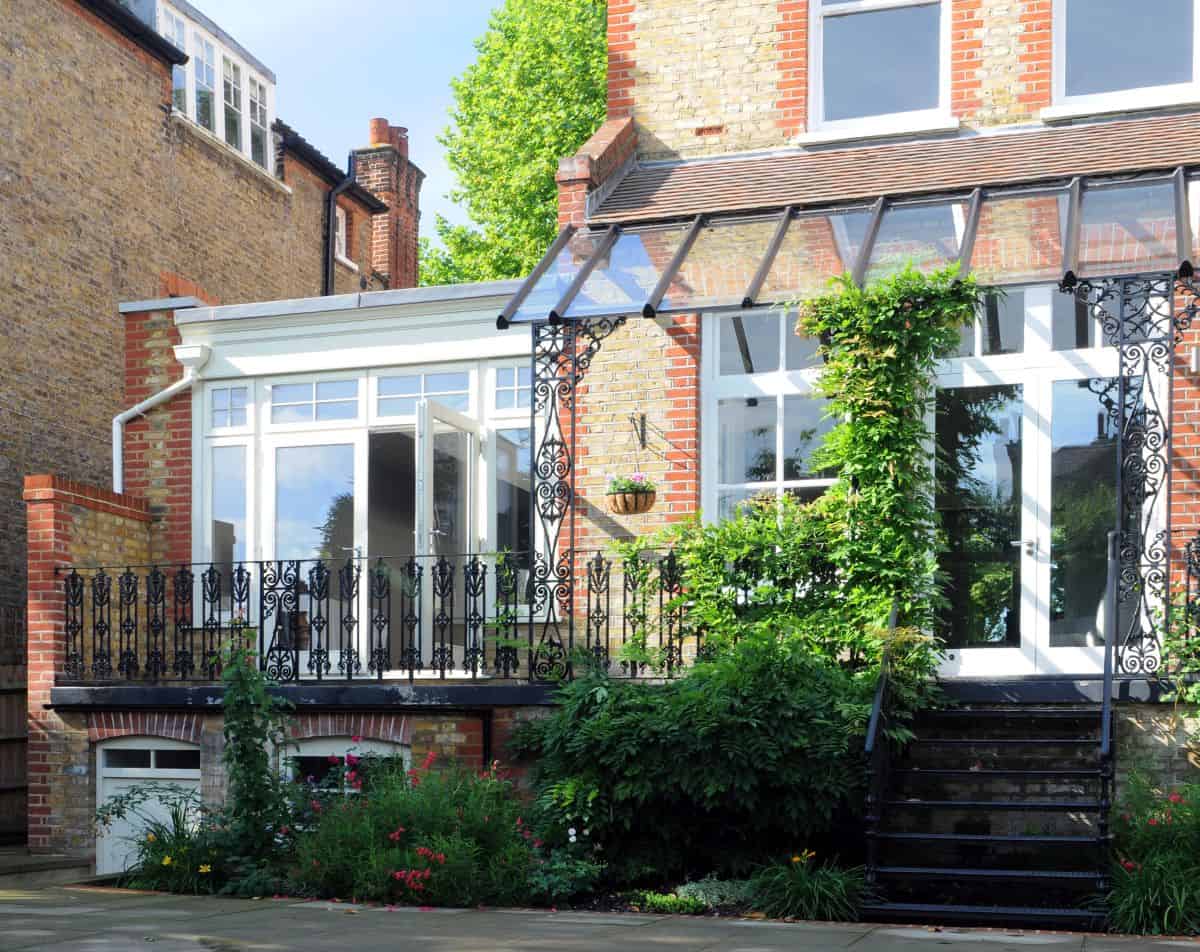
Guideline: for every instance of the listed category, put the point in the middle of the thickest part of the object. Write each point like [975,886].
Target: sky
[337,65]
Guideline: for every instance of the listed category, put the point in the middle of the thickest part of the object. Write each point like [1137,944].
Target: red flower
[351,760]
[1175,797]
[537,844]
[334,759]
[441,858]
[518,821]
[356,739]
[283,831]
[429,759]
[1153,821]
[352,775]
[316,805]
[395,835]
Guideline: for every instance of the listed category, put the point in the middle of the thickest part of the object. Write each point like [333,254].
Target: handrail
[1112,632]
[881,686]
[876,750]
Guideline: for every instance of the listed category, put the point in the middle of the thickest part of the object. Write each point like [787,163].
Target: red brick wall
[384,170]
[792,104]
[622,46]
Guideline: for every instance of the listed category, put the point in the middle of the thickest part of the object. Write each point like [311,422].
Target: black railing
[447,616]
[876,748]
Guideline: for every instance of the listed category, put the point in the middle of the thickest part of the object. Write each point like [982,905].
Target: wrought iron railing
[447,616]
[876,749]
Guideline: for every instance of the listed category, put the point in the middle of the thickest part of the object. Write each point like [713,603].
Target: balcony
[469,617]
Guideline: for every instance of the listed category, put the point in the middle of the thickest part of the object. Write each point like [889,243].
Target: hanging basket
[631,503]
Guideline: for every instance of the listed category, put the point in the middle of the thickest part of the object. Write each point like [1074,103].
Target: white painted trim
[923,120]
[346,263]
[1128,100]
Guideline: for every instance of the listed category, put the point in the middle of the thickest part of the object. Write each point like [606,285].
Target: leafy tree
[535,93]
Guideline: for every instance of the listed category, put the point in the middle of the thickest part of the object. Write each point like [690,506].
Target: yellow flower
[205,868]
[797,859]
[166,861]
[150,837]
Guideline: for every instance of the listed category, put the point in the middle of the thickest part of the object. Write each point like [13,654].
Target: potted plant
[630,495]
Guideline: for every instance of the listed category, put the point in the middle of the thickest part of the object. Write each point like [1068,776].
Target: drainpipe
[331,225]
[193,357]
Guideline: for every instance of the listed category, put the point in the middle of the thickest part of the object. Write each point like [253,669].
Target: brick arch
[105,725]
[390,728]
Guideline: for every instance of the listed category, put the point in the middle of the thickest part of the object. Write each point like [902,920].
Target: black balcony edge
[1035,689]
[308,697]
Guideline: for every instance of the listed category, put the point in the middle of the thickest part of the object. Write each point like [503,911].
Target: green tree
[535,93]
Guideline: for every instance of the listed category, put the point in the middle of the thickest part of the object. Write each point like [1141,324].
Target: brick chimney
[383,168]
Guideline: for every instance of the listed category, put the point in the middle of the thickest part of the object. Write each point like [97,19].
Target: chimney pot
[379,132]
[399,137]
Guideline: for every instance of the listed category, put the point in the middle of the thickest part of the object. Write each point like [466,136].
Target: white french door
[1026,432]
[448,475]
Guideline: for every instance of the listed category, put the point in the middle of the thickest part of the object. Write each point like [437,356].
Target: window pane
[730,501]
[398,406]
[1127,44]
[623,280]
[337,389]
[291,392]
[801,351]
[881,62]
[814,250]
[177,759]
[558,276]
[400,386]
[1131,228]
[453,401]
[338,410]
[979,506]
[446,382]
[258,145]
[1004,323]
[220,399]
[504,376]
[925,236]
[314,501]
[749,343]
[524,376]
[806,493]
[747,440]
[1083,508]
[721,264]
[127,758]
[1020,239]
[1071,325]
[524,397]
[295,413]
[238,396]
[513,486]
[804,427]
[506,399]
[228,506]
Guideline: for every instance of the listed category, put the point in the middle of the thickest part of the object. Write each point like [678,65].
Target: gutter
[193,357]
[331,224]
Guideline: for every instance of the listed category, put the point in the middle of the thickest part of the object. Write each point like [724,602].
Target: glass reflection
[805,424]
[1083,500]
[1020,239]
[747,435]
[749,343]
[549,288]
[622,281]
[720,264]
[1003,321]
[1123,44]
[314,502]
[513,500]
[979,506]
[1128,229]
[815,248]
[228,526]
[924,236]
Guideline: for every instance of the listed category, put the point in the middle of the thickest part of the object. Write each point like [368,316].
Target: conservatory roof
[730,262]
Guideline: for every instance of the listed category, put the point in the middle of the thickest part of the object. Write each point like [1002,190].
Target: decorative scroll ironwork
[1144,318]
[562,354]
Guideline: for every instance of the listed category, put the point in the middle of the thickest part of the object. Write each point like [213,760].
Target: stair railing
[877,752]
[1107,747]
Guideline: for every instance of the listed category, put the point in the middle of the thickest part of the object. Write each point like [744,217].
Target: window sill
[880,130]
[210,138]
[1120,103]
[346,263]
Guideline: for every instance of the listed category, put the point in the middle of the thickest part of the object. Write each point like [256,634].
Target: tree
[535,93]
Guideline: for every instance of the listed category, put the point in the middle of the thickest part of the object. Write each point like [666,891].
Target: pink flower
[352,776]
[395,835]
[356,739]
[283,831]
[429,759]
[351,760]
[334,759]
[1175,797]
[638,477]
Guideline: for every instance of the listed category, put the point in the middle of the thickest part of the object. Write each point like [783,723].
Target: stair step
[1064,774]
[1043,839]
[946,872]
[1047,805]
[1007,741]
[1039,713]
[945,912]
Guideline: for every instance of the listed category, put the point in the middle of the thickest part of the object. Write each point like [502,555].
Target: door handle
[1029,545]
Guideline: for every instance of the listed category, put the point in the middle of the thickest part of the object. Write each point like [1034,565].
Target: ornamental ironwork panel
[1144,318]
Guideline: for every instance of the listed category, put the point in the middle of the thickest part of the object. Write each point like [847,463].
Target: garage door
[135,762]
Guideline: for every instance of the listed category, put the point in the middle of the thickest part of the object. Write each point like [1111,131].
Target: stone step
[21,869]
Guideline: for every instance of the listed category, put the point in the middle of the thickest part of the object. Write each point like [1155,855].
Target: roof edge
[291,141]
[136,29]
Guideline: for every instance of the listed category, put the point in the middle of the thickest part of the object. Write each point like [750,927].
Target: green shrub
[710,771]
[437,837]
[672,904]
[177,854]
[1156,877]
[717,893]
[561,874]
[800,888]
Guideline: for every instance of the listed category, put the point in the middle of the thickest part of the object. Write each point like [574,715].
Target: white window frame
[203,44]
[210,393]
[257,91]
[173,27]
[339,232]
[770,385]
[516,388]
[1139,98]
[231,80]
[314,424]
[884,124]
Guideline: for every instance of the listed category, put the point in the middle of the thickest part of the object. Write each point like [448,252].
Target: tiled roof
[909,168]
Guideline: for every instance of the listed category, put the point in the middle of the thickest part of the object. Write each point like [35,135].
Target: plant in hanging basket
[630,495]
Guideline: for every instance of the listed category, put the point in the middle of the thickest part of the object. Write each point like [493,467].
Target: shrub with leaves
[671,904]
[1156,877]
[717,894]
[802,888]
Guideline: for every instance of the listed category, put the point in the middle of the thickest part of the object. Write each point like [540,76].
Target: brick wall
[102,193]
[385,170]
[705,77]
[69,523]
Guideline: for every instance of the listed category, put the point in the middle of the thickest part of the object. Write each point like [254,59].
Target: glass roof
[1014,236]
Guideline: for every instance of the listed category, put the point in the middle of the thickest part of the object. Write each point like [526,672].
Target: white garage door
[132,762]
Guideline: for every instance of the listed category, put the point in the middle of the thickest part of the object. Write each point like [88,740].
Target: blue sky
[339,64]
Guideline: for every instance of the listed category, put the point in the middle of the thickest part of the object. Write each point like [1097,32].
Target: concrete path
[98,920]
